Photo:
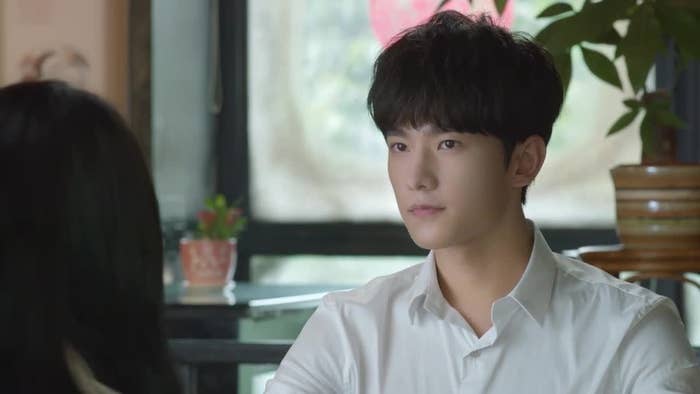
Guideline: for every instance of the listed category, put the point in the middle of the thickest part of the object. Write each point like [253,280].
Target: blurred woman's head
[80,245]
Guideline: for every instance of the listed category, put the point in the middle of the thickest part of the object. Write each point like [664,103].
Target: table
[215,314]
[214,305]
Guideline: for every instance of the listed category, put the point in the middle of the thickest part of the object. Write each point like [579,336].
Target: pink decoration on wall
[390,17]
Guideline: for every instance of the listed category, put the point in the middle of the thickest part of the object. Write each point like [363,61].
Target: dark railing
[190,354]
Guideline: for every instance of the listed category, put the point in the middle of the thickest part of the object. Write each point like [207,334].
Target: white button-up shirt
[566,327]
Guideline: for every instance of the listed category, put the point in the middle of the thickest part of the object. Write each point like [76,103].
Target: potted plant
[657,201]
[209,259]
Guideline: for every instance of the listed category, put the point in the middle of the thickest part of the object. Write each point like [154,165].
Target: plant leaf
[239,227]
[562,62]
[592,22]
[598,18]
[209,203]
[441,4]
[623,121]
[220,202]
[682,26]
[646,133]
[666,117]
[555,9]
[601,66]
[562,34]
[500,5]
[641,44]
[657,100]
[610,37]
[618,51]
[632,103]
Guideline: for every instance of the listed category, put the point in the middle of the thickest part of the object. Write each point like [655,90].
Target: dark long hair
[80,246]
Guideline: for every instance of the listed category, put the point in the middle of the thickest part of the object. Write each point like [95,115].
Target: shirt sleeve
[655,355]
[317,361]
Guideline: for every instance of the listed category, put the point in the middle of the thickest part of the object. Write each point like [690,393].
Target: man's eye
[448,144]
[398,147]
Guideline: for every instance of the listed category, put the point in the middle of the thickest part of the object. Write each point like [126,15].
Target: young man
[467,110]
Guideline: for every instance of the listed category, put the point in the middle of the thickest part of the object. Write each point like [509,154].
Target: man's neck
[475,274]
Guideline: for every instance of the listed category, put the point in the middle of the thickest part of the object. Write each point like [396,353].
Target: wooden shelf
[646,263]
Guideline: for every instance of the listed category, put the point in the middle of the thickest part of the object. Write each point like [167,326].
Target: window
[315,165]
[182,118]
[316,156]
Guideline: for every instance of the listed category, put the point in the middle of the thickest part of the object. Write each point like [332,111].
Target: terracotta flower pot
[658,206]
[208,262]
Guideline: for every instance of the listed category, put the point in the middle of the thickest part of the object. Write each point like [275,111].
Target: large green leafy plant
[653,27]
[637,31]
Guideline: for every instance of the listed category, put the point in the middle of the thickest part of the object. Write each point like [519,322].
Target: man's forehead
[427,128]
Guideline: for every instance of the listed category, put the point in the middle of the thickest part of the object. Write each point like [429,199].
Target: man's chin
[429,241]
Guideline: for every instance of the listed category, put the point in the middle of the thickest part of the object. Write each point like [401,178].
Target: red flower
[207,218]
[232,215]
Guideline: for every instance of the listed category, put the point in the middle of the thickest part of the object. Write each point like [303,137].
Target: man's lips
[422,210]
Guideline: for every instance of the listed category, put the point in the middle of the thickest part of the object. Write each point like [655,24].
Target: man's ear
[526,160]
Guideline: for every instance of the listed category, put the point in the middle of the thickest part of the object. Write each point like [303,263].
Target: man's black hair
[466,74]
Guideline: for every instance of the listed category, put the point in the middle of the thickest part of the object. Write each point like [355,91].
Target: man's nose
[423,173]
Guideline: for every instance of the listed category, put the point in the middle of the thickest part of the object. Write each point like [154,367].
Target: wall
[93,31]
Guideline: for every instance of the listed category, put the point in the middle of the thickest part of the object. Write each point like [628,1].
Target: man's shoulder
[584,281]
[377,294]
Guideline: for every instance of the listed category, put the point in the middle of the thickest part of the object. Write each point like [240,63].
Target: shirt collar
[532,292]
[534,289]
[424,285]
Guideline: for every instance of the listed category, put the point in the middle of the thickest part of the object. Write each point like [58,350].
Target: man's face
[450,187]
